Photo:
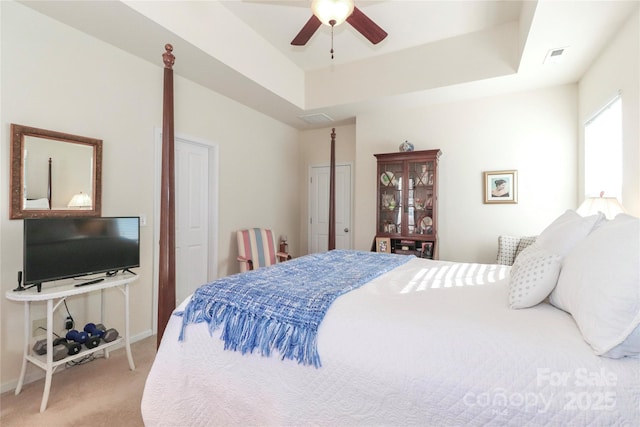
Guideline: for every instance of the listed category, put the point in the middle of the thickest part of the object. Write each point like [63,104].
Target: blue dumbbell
[99,330]
[82,337]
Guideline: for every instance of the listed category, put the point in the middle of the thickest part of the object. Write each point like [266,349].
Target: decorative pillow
[533,276]
[524,243]
[600,286]
[566,231]
[507,247]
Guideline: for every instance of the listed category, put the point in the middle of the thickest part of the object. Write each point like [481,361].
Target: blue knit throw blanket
[279,308]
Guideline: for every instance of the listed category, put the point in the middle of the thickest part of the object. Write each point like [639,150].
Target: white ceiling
[408,23]
[436,51]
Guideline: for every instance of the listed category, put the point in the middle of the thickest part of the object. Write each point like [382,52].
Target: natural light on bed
[455,275]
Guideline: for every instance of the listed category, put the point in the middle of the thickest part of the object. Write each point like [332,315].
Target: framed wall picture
[501,186]
[383,244]
[427,250]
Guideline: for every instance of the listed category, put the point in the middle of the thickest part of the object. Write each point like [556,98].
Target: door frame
[212,268]
[310,202]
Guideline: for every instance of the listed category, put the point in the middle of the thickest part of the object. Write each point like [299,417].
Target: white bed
[428,343]
[36,204]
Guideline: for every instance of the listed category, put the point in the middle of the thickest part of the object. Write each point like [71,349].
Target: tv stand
[59,294]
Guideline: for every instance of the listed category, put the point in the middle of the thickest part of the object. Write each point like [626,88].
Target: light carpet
[103,392]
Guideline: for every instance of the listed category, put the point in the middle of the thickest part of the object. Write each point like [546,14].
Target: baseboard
[38,374]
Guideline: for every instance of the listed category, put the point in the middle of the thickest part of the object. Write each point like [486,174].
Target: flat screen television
[61,248]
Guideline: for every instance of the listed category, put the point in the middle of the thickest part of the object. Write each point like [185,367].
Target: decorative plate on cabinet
[388,178]
[426,222]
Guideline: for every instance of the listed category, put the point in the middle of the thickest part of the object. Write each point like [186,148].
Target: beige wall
[56,78]
[257,178]
[532,132]
[617,70]
[538,133]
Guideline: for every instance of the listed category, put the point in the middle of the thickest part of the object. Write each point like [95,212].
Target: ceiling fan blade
[307,31]
[366,26]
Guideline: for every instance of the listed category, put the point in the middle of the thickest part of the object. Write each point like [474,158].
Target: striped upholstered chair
[256,248]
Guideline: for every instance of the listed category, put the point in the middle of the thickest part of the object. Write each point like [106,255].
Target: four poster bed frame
[49,183]
[167,262]
[49,191]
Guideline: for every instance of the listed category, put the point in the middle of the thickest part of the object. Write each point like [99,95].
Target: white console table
[52,293]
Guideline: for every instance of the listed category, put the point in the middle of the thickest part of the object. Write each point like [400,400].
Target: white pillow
[533,276]
[600,286]
[566,231]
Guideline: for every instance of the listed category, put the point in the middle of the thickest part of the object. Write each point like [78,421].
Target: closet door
[319,208]
[192,217]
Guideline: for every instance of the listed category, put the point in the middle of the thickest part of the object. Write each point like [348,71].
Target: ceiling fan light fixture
[332,12]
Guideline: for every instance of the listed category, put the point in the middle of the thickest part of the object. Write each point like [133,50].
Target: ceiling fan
[335,12]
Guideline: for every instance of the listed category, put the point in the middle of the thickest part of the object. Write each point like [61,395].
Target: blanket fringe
[245,332]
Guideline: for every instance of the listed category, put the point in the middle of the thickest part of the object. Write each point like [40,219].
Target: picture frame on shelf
[389,228]
[427,250]
[383,244]
[500,186]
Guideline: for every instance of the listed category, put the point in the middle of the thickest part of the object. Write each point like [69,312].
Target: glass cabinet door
[390,203]
[420,199]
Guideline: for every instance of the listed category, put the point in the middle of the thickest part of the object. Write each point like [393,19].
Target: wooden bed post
[332,192]
[167,261]
[49,185]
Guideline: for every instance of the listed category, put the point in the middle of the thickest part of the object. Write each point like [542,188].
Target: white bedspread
[429,343]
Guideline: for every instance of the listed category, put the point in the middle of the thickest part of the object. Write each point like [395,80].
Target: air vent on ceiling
[316,118]
[555,55]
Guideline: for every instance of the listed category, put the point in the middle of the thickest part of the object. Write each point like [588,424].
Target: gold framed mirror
[54,174]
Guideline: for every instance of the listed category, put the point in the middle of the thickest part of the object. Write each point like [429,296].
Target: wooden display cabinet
[407,201]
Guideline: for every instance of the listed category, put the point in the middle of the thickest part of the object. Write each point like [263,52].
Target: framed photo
[501,186]
[383,244]
[427,249]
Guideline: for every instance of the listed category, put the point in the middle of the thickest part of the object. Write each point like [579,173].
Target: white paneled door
[319,208]
[192,217]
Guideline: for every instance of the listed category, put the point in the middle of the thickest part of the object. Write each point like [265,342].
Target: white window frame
[603,151]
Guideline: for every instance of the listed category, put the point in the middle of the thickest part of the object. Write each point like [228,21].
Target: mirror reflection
[54,174]
[50,164]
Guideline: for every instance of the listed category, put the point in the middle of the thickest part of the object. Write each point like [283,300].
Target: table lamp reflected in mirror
[80,201]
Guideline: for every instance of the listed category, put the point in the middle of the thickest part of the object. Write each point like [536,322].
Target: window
[603,151]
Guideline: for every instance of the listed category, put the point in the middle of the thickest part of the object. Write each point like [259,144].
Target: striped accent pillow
[256,244]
